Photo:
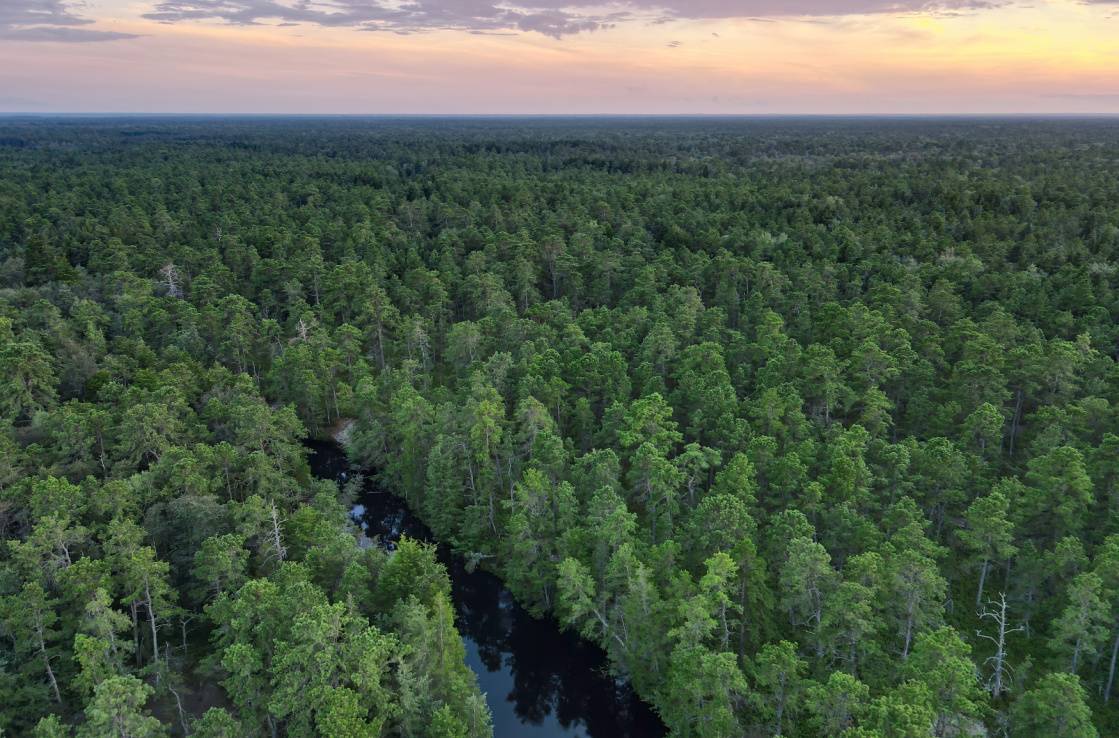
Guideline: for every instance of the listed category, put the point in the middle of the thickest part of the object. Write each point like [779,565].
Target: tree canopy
[811,424]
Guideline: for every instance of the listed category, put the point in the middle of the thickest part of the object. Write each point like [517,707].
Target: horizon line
[941,115]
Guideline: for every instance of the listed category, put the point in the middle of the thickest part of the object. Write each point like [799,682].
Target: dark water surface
[539,681]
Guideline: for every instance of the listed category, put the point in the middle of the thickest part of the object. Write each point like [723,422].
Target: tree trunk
[742,593]
[182,713]
[1111,670]
[982,579]
[151,619]
[135,632]
[380,345]
[47,659]
[908,638]
[277,540]
[1015,421]
[101,452]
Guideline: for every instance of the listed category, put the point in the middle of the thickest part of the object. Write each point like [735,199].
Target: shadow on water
[539,680]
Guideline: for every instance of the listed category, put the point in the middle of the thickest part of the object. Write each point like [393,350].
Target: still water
[540,681]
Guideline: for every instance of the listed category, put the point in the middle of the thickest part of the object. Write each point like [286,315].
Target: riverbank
[540,681]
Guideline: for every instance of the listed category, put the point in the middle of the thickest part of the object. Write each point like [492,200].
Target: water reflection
[539,680]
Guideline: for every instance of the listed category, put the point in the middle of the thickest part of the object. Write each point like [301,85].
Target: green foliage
[217,723]
[1055,707]
[117,709]
[768,409]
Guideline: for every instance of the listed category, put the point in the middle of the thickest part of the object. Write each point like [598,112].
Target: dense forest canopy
[812,424]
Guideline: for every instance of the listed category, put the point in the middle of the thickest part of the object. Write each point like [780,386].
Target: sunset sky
[560,56]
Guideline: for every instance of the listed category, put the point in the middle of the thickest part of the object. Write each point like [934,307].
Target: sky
[730,57]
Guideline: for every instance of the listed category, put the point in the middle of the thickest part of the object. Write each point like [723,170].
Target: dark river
[540,681]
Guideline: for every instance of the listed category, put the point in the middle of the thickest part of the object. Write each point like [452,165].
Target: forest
[812,425]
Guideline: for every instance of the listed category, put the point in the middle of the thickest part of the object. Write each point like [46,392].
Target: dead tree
[275,539]
[171,281]
[999,681]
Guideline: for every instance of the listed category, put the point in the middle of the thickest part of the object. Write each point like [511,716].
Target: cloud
[48,20]
[554,18]
[411,16]
[61,33]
